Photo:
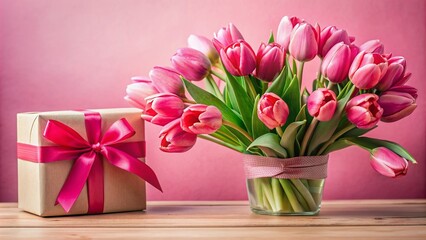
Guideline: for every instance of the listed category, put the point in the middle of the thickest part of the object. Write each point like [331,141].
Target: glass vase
[279,196]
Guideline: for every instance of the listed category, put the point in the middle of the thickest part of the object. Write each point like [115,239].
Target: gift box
[82,162]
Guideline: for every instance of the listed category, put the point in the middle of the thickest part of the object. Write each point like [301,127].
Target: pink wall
[80,54]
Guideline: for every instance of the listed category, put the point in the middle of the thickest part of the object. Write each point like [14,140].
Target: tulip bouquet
[255,103]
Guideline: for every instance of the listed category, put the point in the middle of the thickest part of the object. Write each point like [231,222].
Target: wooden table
[355,219]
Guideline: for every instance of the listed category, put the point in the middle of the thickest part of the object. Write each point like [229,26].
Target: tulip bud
[322,104]
[367,69]
[163,108]
[191,63]
[372,46]
[175,139]
[336,63]
[238,58]
[139,90]
[226,36]
[272,110]
[398,102]
[205,46]
[269,61]
[329,37]
[167,80]
[304,42]
[284,30]
[364,111]
[388,163]
[395,75]
[201,119]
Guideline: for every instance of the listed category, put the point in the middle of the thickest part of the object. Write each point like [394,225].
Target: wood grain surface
[351,219]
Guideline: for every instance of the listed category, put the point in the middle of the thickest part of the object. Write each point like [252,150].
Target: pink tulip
[398,102]
[201,119]
[335,66]
[175,139]
[162,108]
[269,61]
[205,46]
[388,163]
[238,58]
[364,111]
[284,30]
[372,46]
[322,104]
[226,36]
[167,80]
[191,63]
[304,42]
[272,110]
[139,90]
[329,37]
[395,75]
[367,69]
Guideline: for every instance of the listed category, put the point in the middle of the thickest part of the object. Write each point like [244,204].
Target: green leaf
[292,97]
[204,97]
[244,103]
[343,93]
[258,127]
[356,132]
[230,92]
[337,145]
[372,143]
[289,136]
[269,141]
[271,38]
[325,130]
[278,84]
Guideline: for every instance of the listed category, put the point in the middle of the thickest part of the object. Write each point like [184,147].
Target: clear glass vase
[279,196]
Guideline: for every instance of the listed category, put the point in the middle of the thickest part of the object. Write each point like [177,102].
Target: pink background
[80,54]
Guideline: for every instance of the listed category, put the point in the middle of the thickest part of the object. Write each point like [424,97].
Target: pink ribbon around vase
[88,155]
[307,167]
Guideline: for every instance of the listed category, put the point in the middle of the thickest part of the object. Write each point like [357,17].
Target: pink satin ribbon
[307,167]
[88,164]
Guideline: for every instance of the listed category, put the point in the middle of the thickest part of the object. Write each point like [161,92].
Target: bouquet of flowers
[255,103]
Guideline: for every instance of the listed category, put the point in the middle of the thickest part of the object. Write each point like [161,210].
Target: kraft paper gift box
[49,176]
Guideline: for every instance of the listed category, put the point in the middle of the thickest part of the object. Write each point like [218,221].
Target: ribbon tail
[95,186]
[75,181]
[131,164]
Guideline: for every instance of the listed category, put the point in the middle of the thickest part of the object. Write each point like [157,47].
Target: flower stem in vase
[305,193]
[267,190]
[278,194]
[315,187]
[291,196]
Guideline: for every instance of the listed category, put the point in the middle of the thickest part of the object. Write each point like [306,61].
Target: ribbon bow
[88,165]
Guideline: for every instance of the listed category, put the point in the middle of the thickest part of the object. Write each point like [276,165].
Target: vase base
[283,213]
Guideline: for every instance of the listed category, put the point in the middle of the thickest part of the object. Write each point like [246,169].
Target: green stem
[278,194]
[291,196]
[334,138]
[215,87]
[186,100]
[305,193]
[218,75]
[267,190]
[300,73]
[307,136]
[279,131]
[250,87]
[211,139]
[236,127]
[319,71]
